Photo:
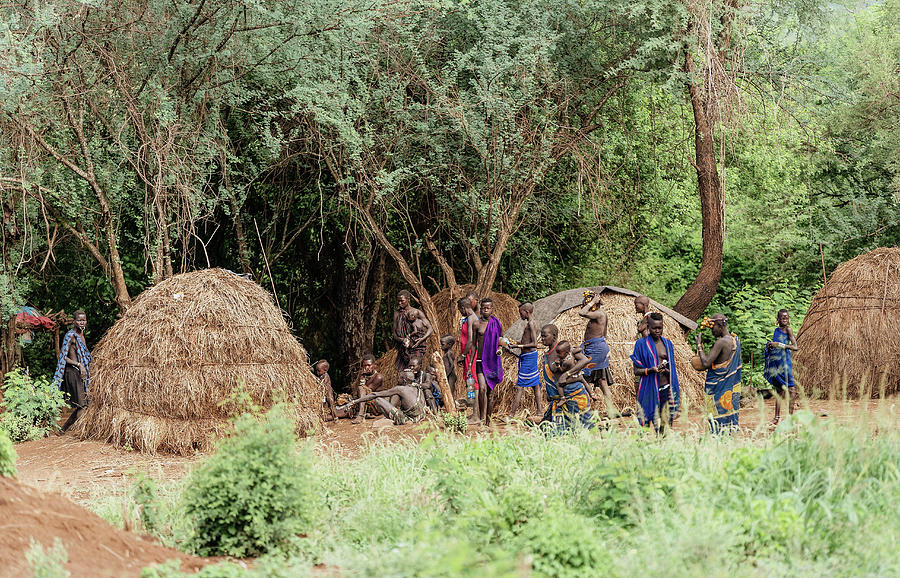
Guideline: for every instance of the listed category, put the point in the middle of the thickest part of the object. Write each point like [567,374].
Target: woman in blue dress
[779,365]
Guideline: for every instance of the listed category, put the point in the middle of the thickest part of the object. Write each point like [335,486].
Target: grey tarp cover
[546,310]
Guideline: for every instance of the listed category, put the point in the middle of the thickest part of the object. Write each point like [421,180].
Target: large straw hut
[506,309]
[846,344]
[562,308]
[171,372]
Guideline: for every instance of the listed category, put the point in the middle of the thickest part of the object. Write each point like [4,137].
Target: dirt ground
[58,473]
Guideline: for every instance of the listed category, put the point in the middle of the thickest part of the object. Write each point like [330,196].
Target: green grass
[811,500]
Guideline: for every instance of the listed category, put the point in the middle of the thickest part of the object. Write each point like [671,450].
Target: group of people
[565,378]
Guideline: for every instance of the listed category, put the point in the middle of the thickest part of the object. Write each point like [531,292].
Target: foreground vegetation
[812,499]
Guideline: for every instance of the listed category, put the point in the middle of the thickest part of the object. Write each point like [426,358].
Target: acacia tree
[453,118]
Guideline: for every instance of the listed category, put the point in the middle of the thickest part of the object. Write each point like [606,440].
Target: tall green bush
[254,494]
[32,405]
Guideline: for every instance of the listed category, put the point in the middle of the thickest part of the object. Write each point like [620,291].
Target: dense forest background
[342,150]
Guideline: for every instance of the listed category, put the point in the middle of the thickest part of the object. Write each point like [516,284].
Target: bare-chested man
[595,347]
[723,376]
[73,373]
[642,308]
[401,330]
[488,367]
[370,380]
[408,407]
[413,376]
[421,330]
[568,401]
[529,376]
[467,355]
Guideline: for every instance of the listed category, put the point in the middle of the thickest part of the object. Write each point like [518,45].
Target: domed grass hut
[506,309]
[562,308]
[846,345]
[187,356]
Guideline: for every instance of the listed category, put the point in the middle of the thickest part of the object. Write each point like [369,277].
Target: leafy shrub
[49,563]
[32,406]
[457,423]
[563,545]
[610,493]
[252,495]
[7,456]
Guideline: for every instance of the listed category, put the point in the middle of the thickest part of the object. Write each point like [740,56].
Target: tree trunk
[700,293]
[355,317]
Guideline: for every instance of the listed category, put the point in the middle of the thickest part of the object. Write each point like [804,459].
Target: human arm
[588,310]
[581,361]
[793,345]
[534,333]
[398,336]
[714,353]
[329,396]
[428,330]
[642,371]
[72,356]
[371,396]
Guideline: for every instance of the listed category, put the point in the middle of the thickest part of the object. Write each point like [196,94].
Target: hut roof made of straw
[506,309]
[562,310]
[846,348]
[168,374]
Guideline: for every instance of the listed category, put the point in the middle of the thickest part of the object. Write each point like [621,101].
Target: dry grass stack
[620,336]
[506,308]
[163,375]
[847,348]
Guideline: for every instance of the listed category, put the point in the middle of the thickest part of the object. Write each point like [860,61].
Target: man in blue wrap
[723,376]
[528,378]
[73,368]
[779,369]
[659,393]
[595,348]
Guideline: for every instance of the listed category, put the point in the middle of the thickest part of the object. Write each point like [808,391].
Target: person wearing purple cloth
[488,367]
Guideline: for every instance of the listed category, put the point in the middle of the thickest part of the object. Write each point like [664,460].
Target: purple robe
[491,365]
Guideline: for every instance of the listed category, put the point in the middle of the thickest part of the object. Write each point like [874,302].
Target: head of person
[783,317]
[641,304]
[415,364]
[79,320]
[321,367]
[473,299]
[487,308]
[368,364]
[720,325]
[412,313]
[403,298]
[463,305]
[563,349]
[549,334]
[525,310]
[655,324]
[447,342]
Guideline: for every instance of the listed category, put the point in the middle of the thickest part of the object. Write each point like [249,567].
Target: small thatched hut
[562,310]
[165,375]
[847,348]
[506,309]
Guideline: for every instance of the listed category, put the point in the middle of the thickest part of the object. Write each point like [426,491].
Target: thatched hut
[168,375]
[562,310]
[846,344]
[506,309]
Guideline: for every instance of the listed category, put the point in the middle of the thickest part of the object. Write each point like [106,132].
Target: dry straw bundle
[621,335]
[163,373]
[847,348]
[506,309]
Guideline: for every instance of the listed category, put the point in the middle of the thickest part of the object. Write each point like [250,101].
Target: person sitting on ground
[73,368]
[447,343]
[529,376]
[723,376]
[419,334]
[595,348]
[779,370]
[320,368]
[659,395]
[568,401]
[409,406]
[370,380]
[414,376]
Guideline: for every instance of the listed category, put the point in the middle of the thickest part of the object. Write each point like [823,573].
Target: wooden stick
[443,384]
[266,259]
